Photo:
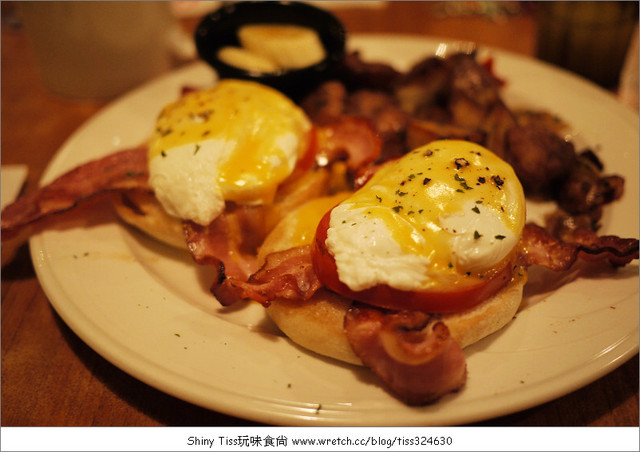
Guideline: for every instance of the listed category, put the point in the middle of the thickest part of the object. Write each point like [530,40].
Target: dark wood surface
[51,378]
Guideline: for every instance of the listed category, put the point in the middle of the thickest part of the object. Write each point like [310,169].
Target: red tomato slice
[464,295]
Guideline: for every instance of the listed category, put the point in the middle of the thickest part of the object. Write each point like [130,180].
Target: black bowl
[219,29]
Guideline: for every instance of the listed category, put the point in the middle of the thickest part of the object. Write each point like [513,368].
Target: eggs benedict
[224,151]
[435,231]
[414,266]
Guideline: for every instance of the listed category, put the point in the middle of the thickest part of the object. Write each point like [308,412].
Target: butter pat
[247,60]
[272,48]
[290,46]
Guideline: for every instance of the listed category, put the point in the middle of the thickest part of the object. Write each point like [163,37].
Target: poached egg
[447,210]
[237,141]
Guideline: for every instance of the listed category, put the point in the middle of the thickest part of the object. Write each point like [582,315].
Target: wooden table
[51,378]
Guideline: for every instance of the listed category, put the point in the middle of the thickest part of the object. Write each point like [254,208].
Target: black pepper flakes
[461,163]
[206,114]
[426,180]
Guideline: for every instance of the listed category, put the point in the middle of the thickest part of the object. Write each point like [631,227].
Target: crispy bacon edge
[123,170]
[540,247]
[285,274]
[412,352]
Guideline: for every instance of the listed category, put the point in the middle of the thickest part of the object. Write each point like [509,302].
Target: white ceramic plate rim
[145,308]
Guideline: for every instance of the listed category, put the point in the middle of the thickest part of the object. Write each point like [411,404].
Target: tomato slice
[446,299]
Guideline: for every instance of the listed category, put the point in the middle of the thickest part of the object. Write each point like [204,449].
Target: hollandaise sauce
[235,142]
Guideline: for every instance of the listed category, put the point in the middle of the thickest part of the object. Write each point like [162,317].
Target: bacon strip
[124,170]
[289,274]
[592,247]
[229,242]
[286,274]
[411,352]
[350,138]
[541,248]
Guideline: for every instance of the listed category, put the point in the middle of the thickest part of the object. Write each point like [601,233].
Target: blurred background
[75,44]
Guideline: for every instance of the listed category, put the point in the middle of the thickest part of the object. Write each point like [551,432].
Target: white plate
[146,308]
